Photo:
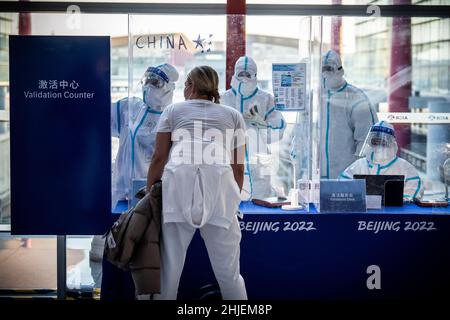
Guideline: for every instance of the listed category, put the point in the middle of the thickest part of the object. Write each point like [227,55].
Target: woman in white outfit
[199,156]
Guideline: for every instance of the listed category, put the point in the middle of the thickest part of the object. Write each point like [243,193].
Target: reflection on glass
[181,42]
[27,263]
[153,1]
[402,65]
[365,44]
[84,266]
[276,39]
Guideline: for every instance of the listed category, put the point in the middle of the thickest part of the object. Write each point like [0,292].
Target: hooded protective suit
[134,122]
[264,124]
[380,157]
[346,117]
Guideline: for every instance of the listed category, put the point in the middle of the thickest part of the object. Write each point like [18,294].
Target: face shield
[157,91]
[380,145]
[153,79]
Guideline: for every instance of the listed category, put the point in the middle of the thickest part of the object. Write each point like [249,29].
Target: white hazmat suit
[346,116]
[134,122]
[264,124]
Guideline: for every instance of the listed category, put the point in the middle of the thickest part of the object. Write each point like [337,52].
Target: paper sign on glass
[289,86]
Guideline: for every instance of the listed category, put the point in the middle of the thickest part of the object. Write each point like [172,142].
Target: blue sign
[333,256]
[343,196]
[397,252]
[60,134]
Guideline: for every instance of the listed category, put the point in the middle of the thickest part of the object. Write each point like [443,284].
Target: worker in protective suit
[380,157]
[346,117]
[134,121]
[264,124]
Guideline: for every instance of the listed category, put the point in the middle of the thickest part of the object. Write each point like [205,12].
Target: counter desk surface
[247,207]
[392,253]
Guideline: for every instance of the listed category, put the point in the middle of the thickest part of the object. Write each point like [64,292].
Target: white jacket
[199,194]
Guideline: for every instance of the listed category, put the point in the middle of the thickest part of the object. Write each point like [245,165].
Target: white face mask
[382,155]
[158,99]
[332,81]
[244,87]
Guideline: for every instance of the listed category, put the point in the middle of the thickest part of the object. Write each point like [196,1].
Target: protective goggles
[244,75]
[154,81]
[328,68]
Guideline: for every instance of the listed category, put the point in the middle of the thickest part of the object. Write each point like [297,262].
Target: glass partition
[366,49]
[84,265]
[166,48]
[274,42]
[185,41]
[394,70]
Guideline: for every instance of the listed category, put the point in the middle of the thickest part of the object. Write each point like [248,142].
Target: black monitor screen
[389,187]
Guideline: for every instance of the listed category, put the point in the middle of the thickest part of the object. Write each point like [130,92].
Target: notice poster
[289,86]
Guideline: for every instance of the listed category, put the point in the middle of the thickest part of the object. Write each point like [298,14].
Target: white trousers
[223,246]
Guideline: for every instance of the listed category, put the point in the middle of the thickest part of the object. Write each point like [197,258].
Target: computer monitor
[389,187]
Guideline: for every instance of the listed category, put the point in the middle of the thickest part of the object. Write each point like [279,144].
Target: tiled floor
[32,267]
[31,264]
